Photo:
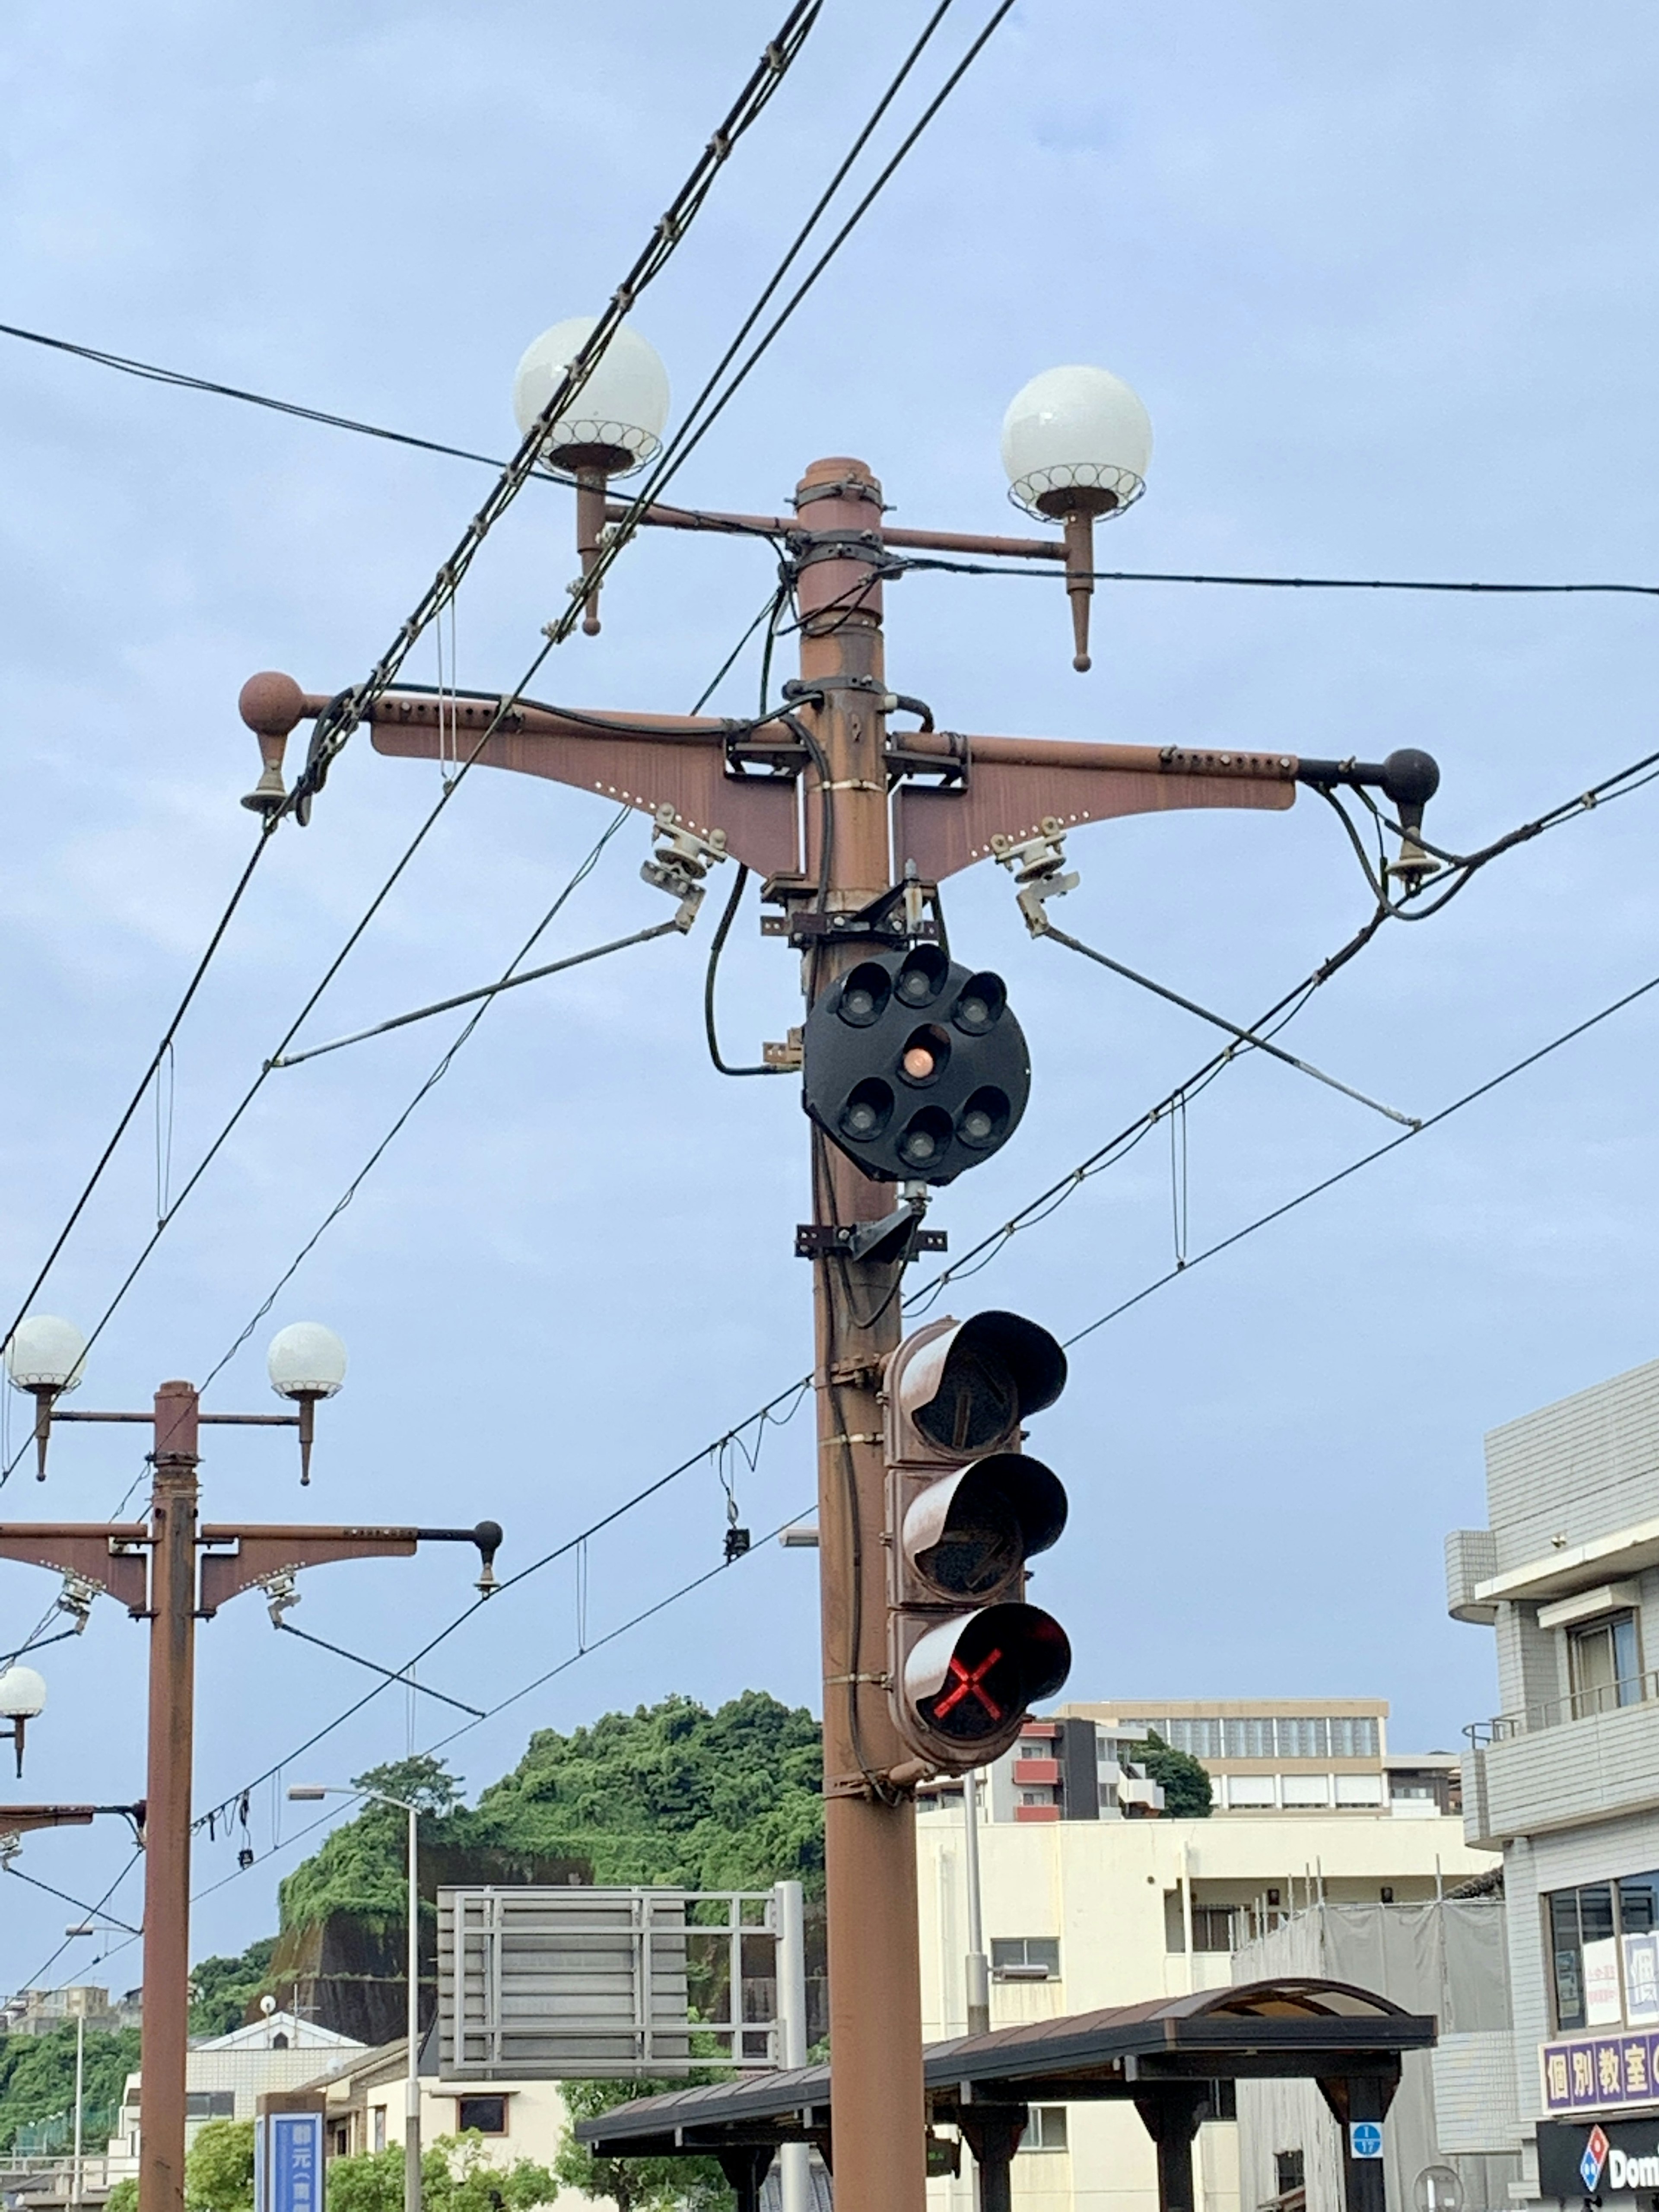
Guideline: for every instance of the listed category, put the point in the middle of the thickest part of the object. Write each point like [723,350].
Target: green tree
[219,2167]
[123,2198]
[673,1793]
[224,1988]
[456,2176]
[37,2074]
[633,2185]
[1186,1784]
[362,1866]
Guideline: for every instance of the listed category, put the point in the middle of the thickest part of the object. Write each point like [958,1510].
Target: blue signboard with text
[288,2162]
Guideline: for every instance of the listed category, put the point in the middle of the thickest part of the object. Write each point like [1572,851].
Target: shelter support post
[993,2133]
[1171,2115]
[1354,2098]
[745,2167]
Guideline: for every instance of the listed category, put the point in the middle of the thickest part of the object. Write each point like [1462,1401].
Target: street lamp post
[78,2172]
[312,1793]
[173,1570]
[851,826]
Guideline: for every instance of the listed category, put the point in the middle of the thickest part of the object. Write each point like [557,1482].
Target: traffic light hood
[968,1388]
[969,1535]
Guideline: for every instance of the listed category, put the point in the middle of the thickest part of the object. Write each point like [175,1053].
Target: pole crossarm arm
[22,1819]
[97,1552]
[974,787]
[260,1553]
[789,526]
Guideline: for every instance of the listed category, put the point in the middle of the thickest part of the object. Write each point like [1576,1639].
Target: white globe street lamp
[306,1361]
[612,426]
[1077,443]
[22,1699]
[46,1356]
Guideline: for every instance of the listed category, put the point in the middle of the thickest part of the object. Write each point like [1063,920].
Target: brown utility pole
[190,1571]
[879,2126]
[915,806]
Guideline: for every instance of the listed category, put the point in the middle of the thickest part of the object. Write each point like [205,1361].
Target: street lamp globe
[615,423]
[22,1694]
[1076,439]
[305,1360]
[46,1353]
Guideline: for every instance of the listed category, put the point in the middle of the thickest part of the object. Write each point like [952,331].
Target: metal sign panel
[288,2162]
[546,1984]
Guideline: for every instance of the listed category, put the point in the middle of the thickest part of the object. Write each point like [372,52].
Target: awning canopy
[1161,2056]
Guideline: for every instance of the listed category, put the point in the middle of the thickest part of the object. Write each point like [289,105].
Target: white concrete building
[1080,1914]
[224,2074]
[1565,1778]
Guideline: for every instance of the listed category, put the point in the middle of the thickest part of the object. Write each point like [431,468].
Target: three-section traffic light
[966,1508]
[914,1066]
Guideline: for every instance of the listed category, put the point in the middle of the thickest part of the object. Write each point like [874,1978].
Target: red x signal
[969,1681]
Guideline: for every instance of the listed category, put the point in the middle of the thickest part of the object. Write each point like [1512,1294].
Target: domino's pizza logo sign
[1596,2148]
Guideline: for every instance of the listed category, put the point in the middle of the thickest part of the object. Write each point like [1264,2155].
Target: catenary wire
[152,372]
[38,1977]
[1368,1159]
[437,1073]
[340,717]
[335,725]
[89,1911]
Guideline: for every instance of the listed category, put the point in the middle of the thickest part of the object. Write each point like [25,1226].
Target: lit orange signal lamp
[967,1508]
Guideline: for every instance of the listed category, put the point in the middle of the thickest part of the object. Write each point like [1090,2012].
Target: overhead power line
[182,380]
[1368,1160]
[335,725]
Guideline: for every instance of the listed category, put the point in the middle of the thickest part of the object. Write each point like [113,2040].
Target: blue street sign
[1364,2139]
[288,2165]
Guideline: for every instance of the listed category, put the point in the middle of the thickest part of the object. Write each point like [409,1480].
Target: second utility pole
[875,1978]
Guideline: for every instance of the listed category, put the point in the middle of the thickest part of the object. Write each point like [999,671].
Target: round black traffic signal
[914,1066]
[971,1680]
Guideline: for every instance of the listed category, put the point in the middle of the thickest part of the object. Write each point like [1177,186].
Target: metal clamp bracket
[680,859]
[1037,866]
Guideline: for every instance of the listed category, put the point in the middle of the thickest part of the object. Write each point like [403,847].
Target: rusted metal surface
[784,525]
[261,1552]
[670,760]
[24,1820]
[87,1549]
[167,1856]
[1014,784]
[875,1984]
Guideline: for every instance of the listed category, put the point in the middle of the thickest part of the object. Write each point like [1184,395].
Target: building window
[1246,1739]
[1288,2171]
[1304,1736]
[1605,1665]
[486,2114]
[1026,1958]
[1353,1736]
[1046,2128]
[1198,1739]
[1036,1796]
[1223,2100]
[377,2128]
[1212,1928]
[1584,1928]
[210,2105]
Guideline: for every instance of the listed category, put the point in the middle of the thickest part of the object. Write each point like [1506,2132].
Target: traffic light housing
[914,1066]
[967,1507]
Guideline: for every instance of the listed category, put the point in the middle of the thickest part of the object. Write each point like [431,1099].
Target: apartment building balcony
[1565,1761]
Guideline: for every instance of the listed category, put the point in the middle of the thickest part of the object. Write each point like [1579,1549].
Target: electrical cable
[926,562]
[38,1975]
[375,1667]
[346,711]
[89,1911]
[1367,1160]
[348,707]
[760,1420]
[131,1107]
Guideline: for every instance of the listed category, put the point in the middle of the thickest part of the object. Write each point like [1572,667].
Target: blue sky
[1384,278]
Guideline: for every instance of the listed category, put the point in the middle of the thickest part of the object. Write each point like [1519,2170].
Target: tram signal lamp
[967,1508]
[914,1066]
